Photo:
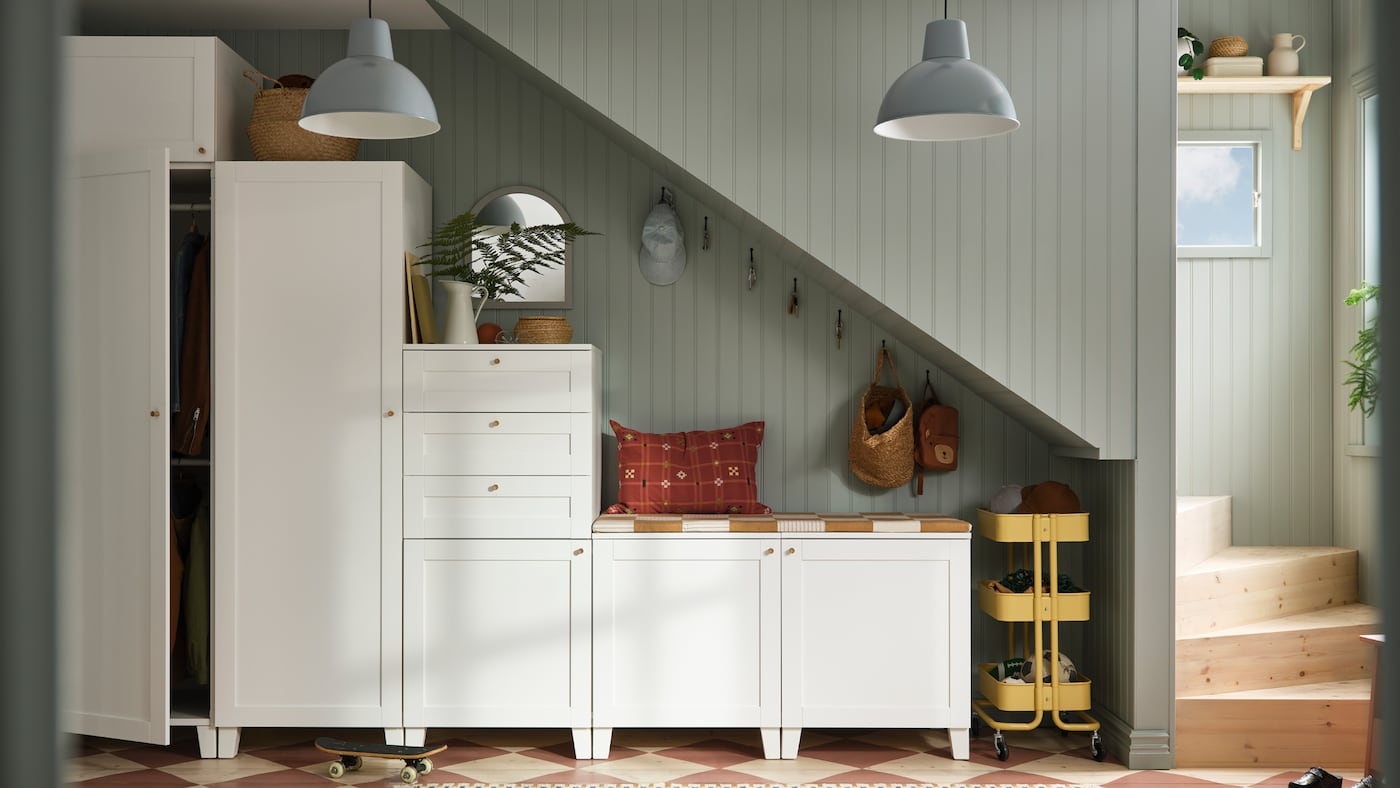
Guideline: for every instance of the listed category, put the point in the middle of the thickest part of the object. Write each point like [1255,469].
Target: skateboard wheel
[425,766]
[355,763]
[408,774]
[337,770]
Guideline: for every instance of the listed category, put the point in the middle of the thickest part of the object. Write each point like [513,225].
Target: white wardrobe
[305,436]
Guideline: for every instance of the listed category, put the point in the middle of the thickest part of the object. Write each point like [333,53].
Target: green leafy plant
[495,264]
[1195,49]
[1364,377]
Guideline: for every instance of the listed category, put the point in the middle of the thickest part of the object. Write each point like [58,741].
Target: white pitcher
[1283,59]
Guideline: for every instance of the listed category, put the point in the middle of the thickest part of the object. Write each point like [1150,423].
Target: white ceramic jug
[1283,59]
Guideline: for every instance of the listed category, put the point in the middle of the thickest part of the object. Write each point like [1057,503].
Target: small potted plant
[473,259]
[1188,48]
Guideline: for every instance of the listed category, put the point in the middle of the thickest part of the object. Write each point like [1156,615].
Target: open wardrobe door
[114,439]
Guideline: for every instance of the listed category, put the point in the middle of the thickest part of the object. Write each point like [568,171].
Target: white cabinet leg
[958,738]
[414,737]
[770,742]
[790,737]
[583,744]
[208,741]
[393,736]
[602,742]
[227,739]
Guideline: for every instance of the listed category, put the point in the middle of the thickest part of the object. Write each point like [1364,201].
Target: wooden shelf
[1300,87]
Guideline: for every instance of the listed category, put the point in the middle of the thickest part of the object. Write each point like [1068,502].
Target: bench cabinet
[793,630]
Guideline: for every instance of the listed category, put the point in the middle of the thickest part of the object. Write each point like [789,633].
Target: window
[1371,234]
[1221,205]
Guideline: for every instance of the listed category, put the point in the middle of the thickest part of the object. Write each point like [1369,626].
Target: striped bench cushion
[780,522]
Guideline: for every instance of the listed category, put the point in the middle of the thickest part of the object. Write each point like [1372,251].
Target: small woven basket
[543,330]
[1229,46]
[274,133]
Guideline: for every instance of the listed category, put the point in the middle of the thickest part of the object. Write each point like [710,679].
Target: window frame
[1262,142]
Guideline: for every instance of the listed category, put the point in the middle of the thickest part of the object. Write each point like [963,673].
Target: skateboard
[352,755]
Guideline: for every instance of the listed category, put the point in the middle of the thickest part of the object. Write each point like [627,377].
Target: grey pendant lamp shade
[946,96]
[368,95]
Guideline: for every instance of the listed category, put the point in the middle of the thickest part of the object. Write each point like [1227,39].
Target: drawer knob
[495,361]
[791,550]
[578,551]
[391,413]
[493,488]
[769,551]
[494,423]
[155,413]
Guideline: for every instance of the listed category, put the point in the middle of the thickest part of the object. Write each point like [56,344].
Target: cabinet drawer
[508,507]
[510,444]
[493,378]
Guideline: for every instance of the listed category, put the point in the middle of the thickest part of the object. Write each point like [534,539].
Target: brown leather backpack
[935,436]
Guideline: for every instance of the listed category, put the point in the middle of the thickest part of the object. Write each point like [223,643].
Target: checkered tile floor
[286,757]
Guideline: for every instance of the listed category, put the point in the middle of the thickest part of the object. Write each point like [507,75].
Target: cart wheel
[425,766]
[408,774]
[1096,747]
[354,762]
[1003,751]
[337,770]
[976,725]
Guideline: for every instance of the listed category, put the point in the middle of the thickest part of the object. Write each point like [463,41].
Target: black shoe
[1317,777]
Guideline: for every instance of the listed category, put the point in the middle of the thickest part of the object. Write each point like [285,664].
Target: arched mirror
[551,288]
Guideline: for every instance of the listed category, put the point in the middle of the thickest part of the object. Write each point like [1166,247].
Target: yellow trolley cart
[1029,616]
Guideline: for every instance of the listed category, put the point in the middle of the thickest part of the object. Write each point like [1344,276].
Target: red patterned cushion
[711,472]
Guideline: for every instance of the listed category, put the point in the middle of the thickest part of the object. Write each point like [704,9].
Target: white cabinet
[876,634]
[184,94]
[496,633]
[500,488]
[308,330]
[825,630]
[686,634]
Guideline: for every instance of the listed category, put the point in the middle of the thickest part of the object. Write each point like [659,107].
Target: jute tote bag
[883,455]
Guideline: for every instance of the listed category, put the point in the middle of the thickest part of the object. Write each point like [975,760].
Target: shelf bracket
[1301,99]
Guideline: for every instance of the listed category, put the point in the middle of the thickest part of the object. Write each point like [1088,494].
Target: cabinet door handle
[791,550]
[578,551]
[155,414]
[391,413]
[494,423]
[769,551]
[493,488]
[495,361]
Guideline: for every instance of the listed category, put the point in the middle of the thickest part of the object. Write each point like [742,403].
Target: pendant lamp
[946,96]
[368,95]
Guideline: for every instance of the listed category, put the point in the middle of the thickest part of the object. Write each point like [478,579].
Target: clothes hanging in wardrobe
[184,505]
[196,607]
[181,269]
[192,421]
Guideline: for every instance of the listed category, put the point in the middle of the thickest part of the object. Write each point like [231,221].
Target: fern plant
[495,265]
[1364,377]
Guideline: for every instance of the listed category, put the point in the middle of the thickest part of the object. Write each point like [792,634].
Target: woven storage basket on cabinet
[543,330]
[273,131]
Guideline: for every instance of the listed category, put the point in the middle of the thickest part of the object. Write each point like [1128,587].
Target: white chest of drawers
[501,474]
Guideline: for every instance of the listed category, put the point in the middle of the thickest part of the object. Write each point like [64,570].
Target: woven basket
[273,131]
[543,330]
[883,459]
[1228,46]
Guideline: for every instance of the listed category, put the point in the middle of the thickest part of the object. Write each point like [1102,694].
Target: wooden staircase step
[1287,728]
[1202,528]
[1317,646]
[1242,585]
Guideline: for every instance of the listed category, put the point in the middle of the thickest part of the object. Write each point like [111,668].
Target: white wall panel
[987,246]
[1255,359]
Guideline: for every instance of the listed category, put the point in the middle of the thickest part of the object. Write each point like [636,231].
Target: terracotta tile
[290,778]
[718,777]
[295,755]
[145,777]
[577,777]
[563,754]
[1015,777]
[850,752]
[866,776]
[715,753]
[463,751]
[1158,780]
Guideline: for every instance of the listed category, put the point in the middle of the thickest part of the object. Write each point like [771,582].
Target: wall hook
[840,329]
[705,238]
[753,272]
[792,300]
